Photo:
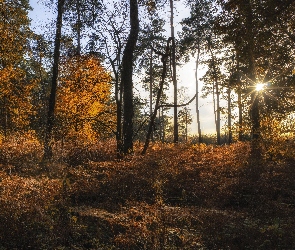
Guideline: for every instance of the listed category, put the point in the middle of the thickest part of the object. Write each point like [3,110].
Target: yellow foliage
[83,95]
[15,91]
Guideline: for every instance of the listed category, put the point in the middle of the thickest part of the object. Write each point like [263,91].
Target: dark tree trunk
[173,59]
[216,86]
[197,97]
[230,84]
[151,88]
[254,112]
[118,95]
[78,28]
[229,114]
[51,105]
[126,79]
[240,106]
[159,94]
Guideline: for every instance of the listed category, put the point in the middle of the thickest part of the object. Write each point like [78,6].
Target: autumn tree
[15,87]
[83,108]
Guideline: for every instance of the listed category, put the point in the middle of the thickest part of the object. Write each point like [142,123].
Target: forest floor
[175,197]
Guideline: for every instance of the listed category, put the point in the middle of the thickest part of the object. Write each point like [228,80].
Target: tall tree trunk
[230,82]
[78,28]
[197,97]
[229,113]
[240,106]
[174,78]
[256,152]
[159,94]
[216,85]
[186,124]
[118,96]
[151,87]
[51,105]
[126,79]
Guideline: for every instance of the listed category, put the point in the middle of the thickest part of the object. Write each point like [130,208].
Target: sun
[260,86]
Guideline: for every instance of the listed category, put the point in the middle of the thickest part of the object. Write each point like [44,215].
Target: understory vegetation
[182,196]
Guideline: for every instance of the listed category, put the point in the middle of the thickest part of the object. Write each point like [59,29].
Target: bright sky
[41,14]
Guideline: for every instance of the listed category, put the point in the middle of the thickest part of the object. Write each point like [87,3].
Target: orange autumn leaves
[83,98]
[15,88]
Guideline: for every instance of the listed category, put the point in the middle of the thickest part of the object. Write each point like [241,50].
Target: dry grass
[175,197]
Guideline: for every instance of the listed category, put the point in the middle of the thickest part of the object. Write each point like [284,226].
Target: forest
[95,146]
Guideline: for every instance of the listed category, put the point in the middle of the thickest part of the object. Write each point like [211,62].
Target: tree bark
[52,97]
[126,79]
[173,59]
[197,97]
[216,85]
[256,152]
[159,93]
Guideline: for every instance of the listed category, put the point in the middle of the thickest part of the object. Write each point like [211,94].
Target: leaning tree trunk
[159,94]
[126,79]
[51,105]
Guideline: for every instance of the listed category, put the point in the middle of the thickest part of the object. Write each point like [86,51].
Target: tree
[148,62]
[108,40]
[254,32]
[81,15]
[196,30]
[36,69]
[52,97]
[83,108]
[184,118]
[126,78]
[164,59]
[15,87]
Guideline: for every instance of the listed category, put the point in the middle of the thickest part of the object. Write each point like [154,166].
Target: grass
[175,197]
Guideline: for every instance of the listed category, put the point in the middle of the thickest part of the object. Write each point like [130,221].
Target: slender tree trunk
[218,114]
[229,103]
[126,79]
[217,98]
[118,97]
[229,114]
[240,113]
[197,97]
[151,88]
[159,94]
[174,78]
[185,125]
[254,112]
[163,125]
[240,105]
[52,97]
[78,28]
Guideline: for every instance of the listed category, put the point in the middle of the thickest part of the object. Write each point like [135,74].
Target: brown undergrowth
[176,197]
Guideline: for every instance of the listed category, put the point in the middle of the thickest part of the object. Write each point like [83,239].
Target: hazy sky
[41,15]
